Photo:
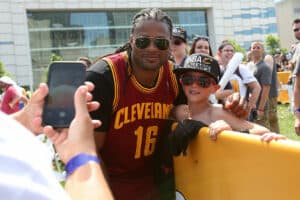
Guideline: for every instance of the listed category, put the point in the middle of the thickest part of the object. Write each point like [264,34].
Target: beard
[143,62]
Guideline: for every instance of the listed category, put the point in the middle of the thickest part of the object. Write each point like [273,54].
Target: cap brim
[7,81]
[180,71]
[179,36]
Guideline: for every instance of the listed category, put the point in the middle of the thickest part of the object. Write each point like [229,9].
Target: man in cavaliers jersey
[136,89]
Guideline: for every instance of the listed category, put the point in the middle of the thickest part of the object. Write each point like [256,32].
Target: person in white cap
[11,96]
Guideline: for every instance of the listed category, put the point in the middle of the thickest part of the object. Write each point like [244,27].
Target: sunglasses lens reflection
[144,42]
[162,43]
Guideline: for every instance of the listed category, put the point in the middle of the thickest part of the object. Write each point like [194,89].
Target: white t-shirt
[251,67]
[296,54]
[248,77]
[26,168]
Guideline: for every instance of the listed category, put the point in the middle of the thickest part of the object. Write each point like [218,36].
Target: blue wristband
[79,160]
[297,110]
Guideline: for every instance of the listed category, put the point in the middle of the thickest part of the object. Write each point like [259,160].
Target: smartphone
[63,80]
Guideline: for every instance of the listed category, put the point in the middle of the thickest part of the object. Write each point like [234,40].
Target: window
[71,34]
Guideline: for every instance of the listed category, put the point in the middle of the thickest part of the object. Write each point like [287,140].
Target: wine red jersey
[139,115]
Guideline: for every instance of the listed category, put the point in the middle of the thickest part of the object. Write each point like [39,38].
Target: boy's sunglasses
[200,80]
[144,42]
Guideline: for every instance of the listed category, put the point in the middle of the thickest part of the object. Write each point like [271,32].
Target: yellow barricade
[283,96]
[283,77]
[238,166]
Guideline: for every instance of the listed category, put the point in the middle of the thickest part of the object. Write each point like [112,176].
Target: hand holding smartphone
[63,80]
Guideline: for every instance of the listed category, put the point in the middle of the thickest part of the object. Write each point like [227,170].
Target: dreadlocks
[144,15]
[152,14]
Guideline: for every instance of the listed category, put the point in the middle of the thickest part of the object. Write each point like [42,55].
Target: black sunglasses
[200,80]
[296,30]
[144,42]
[177,42]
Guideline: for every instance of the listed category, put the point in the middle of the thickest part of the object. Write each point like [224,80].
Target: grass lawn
[286,122]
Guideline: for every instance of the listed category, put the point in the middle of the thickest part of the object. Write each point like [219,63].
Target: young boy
[199,78]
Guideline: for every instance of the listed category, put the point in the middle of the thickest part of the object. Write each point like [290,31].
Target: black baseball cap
[180,32]
[200,63]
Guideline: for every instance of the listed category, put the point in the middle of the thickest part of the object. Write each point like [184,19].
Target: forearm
[297,92]
[14,102]
[247,127]
[264,97]
[255,87]
[258,129]
[222,94]
[88,182]
[297,102]
[24,99]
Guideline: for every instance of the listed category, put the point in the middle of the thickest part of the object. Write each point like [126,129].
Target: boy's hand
[217,127]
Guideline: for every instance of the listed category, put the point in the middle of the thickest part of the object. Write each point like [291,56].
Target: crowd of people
[114,151]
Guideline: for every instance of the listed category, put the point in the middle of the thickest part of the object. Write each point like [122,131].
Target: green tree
[272,44]
[53,58]
[3,71]
[237,47]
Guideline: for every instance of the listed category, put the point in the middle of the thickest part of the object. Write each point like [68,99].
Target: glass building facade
[71,34]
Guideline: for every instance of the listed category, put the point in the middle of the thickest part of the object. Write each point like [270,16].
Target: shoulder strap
[118,65]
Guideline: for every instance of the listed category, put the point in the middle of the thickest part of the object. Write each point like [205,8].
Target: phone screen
[63,80]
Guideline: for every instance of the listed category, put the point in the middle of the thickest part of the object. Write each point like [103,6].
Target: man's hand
[182,133]
[237,105]
[79,138]
[31,115]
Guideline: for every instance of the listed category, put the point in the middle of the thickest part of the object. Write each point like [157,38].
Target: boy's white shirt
[26,167]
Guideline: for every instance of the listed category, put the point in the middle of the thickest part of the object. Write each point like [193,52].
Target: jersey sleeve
[101,76]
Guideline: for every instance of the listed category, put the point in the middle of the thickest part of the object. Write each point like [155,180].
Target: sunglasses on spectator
[228,50]
[296,30]
[145,41]
[201,81]
[177,42]
[200,37]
